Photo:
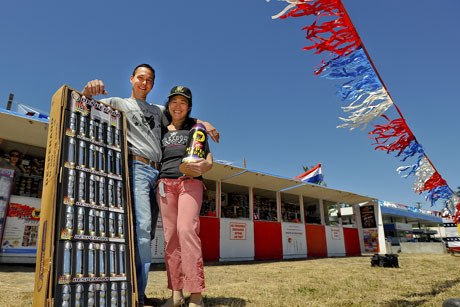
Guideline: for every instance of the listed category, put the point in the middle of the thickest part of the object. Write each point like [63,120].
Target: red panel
[268,241]
[316,240]
[210,238]
[351,237]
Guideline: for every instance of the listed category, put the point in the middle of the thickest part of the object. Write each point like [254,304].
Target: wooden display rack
[75,262]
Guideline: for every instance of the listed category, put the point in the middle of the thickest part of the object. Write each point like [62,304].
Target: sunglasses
[14,155]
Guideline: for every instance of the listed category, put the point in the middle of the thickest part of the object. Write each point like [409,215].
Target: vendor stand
[20,203]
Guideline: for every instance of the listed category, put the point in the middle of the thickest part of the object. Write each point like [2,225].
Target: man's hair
[146,66]
[14,151]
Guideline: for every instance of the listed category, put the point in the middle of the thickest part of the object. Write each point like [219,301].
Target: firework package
[85,255]
[195,149]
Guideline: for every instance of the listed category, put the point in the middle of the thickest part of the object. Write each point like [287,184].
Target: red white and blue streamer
[347,61]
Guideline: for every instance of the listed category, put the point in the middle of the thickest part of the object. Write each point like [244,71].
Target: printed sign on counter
[6,181]
[335,233]
[237,231]
[21,227]
[294,240]
[368,217]
[236,240]
[371,240]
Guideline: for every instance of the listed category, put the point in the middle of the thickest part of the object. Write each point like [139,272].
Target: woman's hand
[199,166]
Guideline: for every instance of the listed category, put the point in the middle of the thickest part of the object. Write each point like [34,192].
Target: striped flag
[313,175]
[29,111]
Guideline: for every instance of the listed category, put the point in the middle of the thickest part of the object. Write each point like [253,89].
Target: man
[143,136]
[12,163]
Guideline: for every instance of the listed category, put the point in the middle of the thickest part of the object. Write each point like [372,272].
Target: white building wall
[236,240]
[294,240]
[335,241]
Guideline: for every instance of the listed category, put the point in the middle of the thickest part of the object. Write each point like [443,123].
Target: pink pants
[180,212]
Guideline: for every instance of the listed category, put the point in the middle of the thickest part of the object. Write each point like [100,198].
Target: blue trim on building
[35,118]
[410,214]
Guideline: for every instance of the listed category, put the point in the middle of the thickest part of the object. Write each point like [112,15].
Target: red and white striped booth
[250,220]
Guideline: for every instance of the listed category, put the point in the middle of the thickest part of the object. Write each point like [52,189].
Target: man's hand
[93,88]
[211,130]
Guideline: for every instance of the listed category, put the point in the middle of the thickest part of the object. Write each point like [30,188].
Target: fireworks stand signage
[237,231]
[368,217]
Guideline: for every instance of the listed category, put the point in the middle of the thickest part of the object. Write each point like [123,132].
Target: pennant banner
[346,60]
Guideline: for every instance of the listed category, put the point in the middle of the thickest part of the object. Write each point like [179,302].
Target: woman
[179,199]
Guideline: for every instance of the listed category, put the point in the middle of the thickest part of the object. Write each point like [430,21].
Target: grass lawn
[421,280]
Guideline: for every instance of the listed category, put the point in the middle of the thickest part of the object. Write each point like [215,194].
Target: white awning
[23,129]
[244,177]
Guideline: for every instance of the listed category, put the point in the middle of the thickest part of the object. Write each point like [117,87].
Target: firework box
[85,251]
[195,149]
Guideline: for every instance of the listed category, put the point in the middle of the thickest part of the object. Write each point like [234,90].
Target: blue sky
[250,77]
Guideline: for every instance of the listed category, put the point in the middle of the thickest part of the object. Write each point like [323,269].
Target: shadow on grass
[224,301]
[435,290]
[22,268]
[209,301]
[404,303]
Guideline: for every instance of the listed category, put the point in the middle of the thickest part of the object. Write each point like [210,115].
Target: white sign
[237,231]
[294,240]
[335,233]
[21,228]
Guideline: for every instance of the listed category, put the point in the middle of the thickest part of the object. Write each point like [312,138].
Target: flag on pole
[313,175]
[29,111]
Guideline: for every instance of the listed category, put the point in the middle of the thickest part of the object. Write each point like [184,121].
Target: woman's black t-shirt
[173,145]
